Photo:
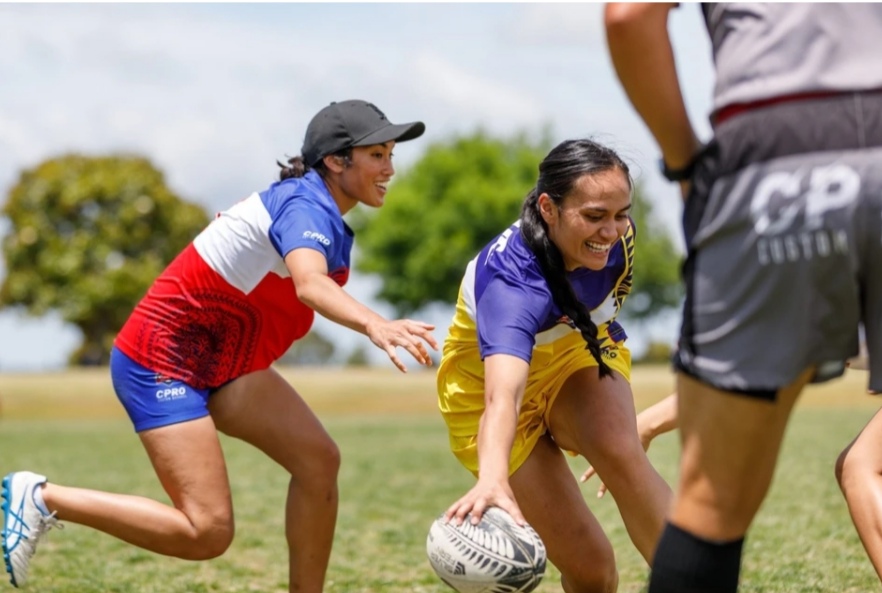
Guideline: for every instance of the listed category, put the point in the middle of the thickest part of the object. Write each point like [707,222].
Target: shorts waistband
[730,111]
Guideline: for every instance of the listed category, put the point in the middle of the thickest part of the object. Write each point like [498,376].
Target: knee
[854,466]
[328,459]
[320,464]
[624,454]
[595,577]
[210,541]
[839,468]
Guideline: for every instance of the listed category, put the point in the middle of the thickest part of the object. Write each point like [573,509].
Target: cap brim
[396,132]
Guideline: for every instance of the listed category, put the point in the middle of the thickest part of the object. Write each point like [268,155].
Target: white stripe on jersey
[602,314]
[555,333]
[236,245]
[468,289]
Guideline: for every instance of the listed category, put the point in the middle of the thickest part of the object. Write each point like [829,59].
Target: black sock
[684,563]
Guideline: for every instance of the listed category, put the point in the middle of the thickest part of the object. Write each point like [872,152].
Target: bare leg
[597,419]
[730,449]
[859,473]
[264,410]
[189,462]
[550,498]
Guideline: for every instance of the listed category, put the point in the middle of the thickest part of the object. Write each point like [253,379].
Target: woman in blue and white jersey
[535,364]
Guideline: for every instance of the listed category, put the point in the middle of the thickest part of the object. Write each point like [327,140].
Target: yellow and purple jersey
[505,305]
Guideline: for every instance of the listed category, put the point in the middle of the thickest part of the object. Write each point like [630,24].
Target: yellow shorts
[461,391]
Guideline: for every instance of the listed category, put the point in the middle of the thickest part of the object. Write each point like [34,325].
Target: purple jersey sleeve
[511,309]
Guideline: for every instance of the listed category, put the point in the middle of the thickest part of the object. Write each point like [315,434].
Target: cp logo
[780,197]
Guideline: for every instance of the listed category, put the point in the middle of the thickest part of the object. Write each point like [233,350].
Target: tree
[657,285]
[359,357]
[313,349]
[461,194]
[442,211]
[88,236]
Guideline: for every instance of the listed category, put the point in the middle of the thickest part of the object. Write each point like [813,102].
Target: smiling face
[365,179]
[590,219]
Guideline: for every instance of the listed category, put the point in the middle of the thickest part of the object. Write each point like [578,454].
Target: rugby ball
[495,556]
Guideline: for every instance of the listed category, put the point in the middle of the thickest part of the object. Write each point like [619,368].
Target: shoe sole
[7,496]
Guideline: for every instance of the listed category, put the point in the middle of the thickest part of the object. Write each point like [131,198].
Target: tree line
[88,234]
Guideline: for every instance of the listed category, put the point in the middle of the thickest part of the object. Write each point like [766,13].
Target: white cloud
[558,25]
[460,92]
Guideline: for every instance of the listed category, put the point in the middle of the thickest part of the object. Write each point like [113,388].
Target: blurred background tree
[462,193]
[313,349]
[657,288]
[87,237]
[442,211]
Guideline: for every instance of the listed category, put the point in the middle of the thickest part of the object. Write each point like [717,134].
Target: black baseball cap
[352,123]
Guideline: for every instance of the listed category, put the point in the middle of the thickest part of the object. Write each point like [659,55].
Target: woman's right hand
[405,333]
[479,498]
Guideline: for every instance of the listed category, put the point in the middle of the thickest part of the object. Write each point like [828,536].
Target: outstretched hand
[407,334]
[479,498]
[601,490]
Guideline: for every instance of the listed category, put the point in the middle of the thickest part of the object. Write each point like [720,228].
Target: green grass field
[397,475]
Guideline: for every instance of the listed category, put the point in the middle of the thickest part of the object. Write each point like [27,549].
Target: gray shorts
[784,246]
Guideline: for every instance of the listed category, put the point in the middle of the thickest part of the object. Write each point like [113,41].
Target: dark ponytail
[297,167]
[558,173]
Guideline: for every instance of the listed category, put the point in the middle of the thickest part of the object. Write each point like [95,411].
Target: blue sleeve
[510,312]
[302,223]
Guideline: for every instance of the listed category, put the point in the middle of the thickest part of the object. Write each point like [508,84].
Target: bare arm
[637,35]
[318,291]
[658,419]
[505,378]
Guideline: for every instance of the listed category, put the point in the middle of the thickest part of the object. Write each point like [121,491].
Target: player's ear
[547,208]
[334,163]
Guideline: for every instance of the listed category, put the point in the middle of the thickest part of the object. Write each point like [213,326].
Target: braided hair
[558,173]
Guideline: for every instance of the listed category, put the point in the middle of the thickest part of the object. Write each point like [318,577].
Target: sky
[214,94]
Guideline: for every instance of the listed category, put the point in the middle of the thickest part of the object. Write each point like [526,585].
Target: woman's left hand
[404,333]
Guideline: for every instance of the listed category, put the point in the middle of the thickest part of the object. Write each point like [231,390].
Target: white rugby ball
[495,556]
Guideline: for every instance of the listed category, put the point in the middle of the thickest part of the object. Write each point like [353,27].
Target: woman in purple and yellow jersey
[536,363]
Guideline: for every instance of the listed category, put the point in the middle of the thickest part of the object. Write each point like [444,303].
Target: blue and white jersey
[505,303]
[304,214]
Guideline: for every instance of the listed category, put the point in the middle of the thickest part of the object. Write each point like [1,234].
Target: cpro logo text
[317,236]
[171,393]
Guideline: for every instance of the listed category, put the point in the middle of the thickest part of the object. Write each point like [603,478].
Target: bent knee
[595,577]
[318,464]
[839,467]
[209,542]
[856,465]
[591,571]
[626,456]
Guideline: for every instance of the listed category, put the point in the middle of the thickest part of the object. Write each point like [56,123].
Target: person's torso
[505,304]
[226,305]
[768,50]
